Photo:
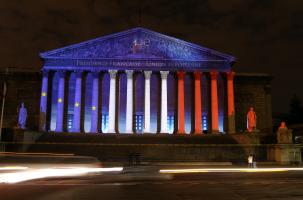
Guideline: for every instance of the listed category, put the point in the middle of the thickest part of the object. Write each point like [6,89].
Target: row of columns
[129,102]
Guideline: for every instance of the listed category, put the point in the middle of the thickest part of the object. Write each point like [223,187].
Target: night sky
[266,36]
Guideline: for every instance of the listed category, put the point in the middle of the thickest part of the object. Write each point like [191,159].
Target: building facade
[137,81]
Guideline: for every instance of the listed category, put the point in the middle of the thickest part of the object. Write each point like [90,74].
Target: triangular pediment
[137,43]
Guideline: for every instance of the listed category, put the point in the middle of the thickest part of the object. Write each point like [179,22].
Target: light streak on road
[6,168]
[31,174]
[205,170]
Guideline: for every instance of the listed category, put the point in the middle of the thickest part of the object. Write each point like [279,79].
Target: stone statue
[251,120]
[22,116]
[284,135]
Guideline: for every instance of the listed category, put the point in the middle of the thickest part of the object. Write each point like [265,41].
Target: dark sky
[265,35]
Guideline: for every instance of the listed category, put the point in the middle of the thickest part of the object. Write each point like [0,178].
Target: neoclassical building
[137,81]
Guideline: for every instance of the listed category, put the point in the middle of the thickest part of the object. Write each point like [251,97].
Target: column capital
[61,73]
[213,75]
[112,73]
[197,75]
[78,73]
[45,72]
[147,74]
[95,74]
[181,74]
[129,73]
[230,75]
[164,74]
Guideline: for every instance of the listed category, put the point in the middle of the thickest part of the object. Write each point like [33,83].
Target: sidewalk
[198,164]
[65,160]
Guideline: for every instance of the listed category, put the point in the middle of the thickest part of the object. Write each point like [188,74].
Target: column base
[215,132]
[111,131]
[129,132]
[58,130]
[163,132]
[181,132]
[76,130]
[93,132]
[198,132]
[231,132]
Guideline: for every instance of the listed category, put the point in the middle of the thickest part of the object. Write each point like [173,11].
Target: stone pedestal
[18,135]
[285,153]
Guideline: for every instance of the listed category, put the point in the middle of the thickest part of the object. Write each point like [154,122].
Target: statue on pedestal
[22,116]
[251,120]
[284,135]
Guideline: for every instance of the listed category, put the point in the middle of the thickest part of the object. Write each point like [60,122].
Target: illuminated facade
[137,81]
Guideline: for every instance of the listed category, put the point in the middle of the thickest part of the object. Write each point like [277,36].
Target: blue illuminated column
[129,102]
[60,101]
[112,101]
[95,102]
[43,102]
[147,75]
[77,104]
[164,101]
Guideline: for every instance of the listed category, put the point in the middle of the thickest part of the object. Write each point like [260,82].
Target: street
[210,185]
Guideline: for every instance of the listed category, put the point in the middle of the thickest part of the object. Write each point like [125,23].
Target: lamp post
[3,102]
[2,108]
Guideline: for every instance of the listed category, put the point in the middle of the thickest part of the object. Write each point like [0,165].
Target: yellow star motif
[77,104]
[44,94]
[94,108]
[59,100]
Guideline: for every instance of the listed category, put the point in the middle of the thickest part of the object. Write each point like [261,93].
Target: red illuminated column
[214,102]
[230,102]
[181,75]
[198,103]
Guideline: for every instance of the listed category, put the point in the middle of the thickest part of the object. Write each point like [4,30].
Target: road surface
[208,186]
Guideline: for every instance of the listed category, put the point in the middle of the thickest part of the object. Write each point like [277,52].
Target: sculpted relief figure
[22,116]
[251,120]
[284,135]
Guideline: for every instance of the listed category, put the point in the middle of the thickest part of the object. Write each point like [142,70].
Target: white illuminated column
[164,101]
[147,75]
[129,102]
[112,101]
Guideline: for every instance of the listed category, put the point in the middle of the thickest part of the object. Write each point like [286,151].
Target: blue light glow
[170,123]
[221,102]
[104,102]
[104,123]
[139,123]
[204,122]
[54,102]
[71,101]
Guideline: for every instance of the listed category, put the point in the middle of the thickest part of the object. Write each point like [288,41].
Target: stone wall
[250,90]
